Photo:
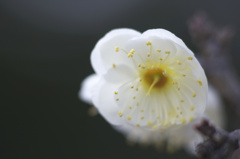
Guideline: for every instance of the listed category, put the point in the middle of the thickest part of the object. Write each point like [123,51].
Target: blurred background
[44,55]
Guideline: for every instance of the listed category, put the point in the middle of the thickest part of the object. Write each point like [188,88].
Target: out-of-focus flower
[179,137]
[150,80]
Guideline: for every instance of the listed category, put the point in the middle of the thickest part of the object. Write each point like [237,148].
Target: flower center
[154,79]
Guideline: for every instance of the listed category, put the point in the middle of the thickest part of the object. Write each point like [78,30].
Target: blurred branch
[219,144]
[213,44]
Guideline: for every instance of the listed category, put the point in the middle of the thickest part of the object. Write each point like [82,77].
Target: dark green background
[44,56]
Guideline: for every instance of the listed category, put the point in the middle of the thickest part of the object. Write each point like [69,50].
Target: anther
[120,114]
[192,108]
[114,66]
[167,52]
[160,59]
[148,43]
[183,120]
[134,97]
[190,58]
[199,82]
[132,51]
[130,107]
[154,127]
[142,110]
[117,99]
[137,125]
[116,48]
[142,117]
[158,50]
[165,124]
[191,118]
[181,100]
[131,86]
[115,92]
[148,54]
[128,117]
[194,95]
[139,65]
[136,89]
[130,55]
[179,63]
[184,75]
[149,123]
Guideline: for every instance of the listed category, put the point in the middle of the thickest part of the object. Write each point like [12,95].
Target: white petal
[120,74]
[104,55]
[87,88]
[104,101]
[164,34]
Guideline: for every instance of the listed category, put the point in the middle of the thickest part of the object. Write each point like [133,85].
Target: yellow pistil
[156,79]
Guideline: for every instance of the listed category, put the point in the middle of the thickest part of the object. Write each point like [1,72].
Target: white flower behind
[150,80]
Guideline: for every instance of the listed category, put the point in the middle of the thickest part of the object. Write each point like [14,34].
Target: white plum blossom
[179,137]
[149,80]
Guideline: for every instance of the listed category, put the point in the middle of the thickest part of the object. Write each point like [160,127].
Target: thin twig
[219,144]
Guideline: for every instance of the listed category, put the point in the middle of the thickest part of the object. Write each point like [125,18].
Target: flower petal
[167,35]
[120,74]
[104,55]
[103,100]
[87,88]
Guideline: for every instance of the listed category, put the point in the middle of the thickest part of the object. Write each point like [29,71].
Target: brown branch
[219,144]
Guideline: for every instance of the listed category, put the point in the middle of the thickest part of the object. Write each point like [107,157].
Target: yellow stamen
[194,95]
[120,114]
[183,120]
[116,48]
[149,123]
[148,43]
[199,82]
[192,108]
